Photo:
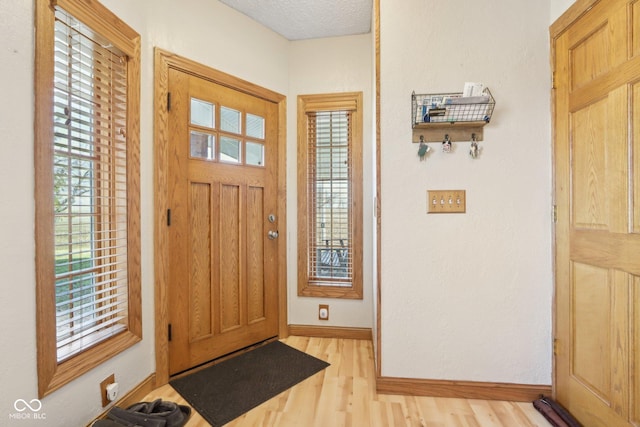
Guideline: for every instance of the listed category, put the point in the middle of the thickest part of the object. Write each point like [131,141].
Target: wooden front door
[597,186]
[223,220]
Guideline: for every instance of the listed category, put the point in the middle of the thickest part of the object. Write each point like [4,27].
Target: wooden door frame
[163,61]
[576,11]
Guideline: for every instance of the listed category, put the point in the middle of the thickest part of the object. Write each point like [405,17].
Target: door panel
[230,257]
[596,188]
[586,59]
[588,168]
[200,295]
[255,255]
[591,309]
[223,270]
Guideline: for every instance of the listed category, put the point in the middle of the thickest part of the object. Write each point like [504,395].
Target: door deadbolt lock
[273,234]
[271,218]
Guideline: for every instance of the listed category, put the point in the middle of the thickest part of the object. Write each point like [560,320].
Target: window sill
[65,372]
[311,290]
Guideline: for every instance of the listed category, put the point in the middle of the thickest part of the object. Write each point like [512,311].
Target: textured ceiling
[308,19]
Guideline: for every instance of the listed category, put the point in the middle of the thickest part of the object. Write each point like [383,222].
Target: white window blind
[330,253]
[90,187]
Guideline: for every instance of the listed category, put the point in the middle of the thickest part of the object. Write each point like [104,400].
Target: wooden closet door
[597,186]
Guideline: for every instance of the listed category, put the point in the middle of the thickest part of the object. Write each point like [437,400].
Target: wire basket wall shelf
[459,118]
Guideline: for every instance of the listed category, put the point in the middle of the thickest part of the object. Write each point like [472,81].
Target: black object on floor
[158,413]
[227,390]
[555,413]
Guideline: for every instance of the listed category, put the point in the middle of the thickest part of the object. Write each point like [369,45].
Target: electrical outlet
[446,201]
[112,392]
[323,312]
[103,389]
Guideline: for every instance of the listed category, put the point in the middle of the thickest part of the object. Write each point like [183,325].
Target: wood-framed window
[330,195]
[87,110]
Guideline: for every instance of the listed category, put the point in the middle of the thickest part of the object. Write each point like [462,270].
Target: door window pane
[202,145]
[255,126]
[230,120]
[229,149]
[255,154]
[203,113]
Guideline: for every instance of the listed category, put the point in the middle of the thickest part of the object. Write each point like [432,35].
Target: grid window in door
[238,138]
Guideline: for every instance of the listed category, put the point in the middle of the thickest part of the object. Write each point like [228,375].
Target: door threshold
[221,359]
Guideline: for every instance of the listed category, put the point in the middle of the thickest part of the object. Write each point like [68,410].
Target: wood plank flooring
[344,394]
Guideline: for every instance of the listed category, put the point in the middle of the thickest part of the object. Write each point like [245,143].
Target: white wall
[558,7]
[203,30]
[467,296]
[339,64]
[17,296]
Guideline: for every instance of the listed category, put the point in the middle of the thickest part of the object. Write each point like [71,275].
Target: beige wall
[467,296]
[340,64]
[558,7]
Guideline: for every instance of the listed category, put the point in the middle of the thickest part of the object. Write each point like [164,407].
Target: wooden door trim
[163,61]
[378,204]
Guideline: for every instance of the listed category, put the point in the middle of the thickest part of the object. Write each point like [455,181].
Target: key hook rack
[449,118]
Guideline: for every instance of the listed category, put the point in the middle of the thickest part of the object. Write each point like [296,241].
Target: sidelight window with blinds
[87,196]
[330,195]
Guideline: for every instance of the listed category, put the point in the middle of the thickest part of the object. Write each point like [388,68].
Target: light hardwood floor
[344,394]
